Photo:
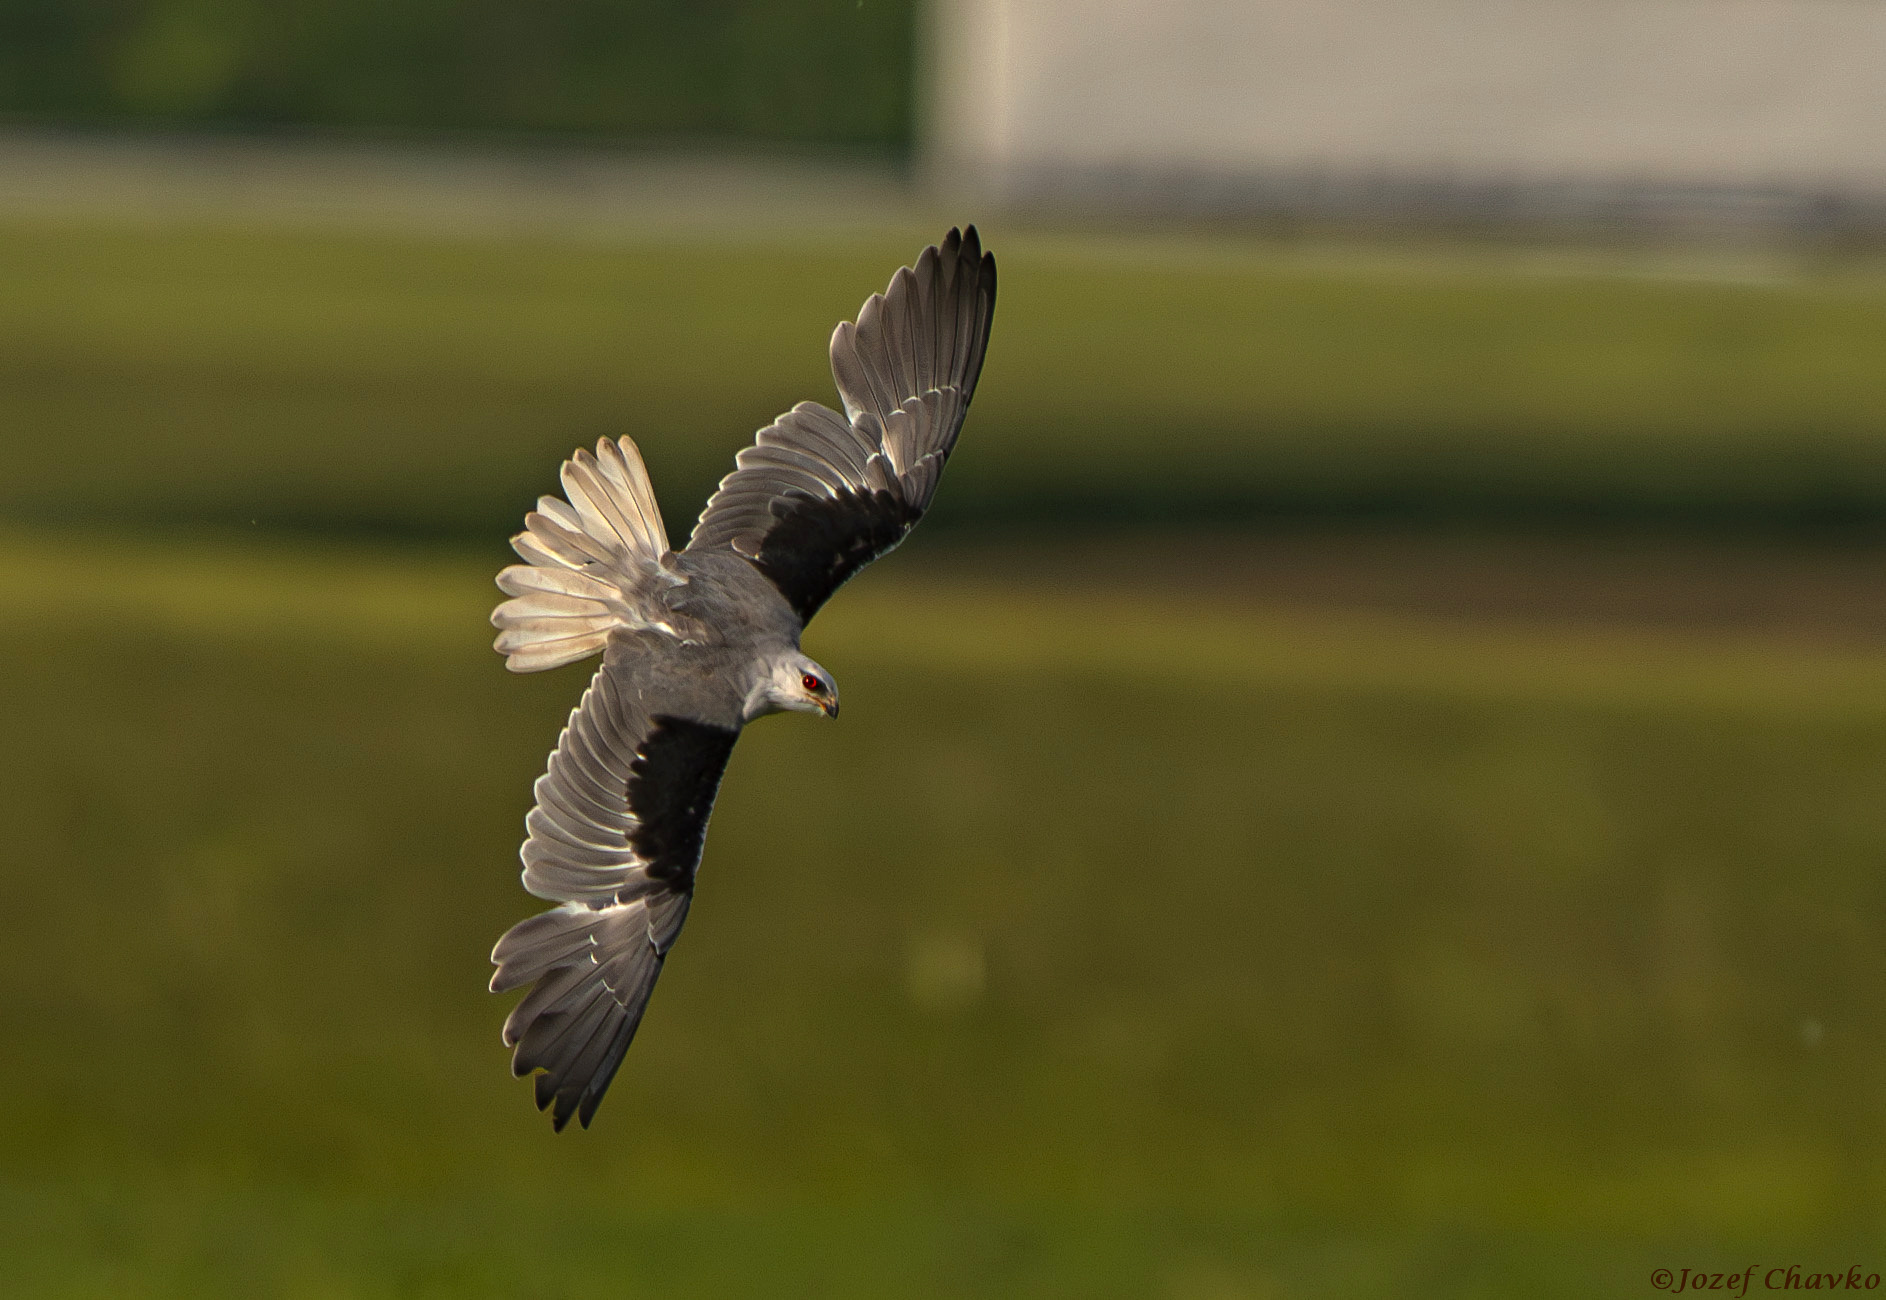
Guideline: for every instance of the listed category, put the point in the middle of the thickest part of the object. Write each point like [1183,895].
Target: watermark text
[1784,1277]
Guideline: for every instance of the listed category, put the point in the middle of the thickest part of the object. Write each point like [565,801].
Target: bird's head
[795,682]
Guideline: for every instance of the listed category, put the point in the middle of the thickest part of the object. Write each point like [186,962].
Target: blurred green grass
[427,386]
[1105,947]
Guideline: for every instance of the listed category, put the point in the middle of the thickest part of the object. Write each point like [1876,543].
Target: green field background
[428,387]
[1122,939]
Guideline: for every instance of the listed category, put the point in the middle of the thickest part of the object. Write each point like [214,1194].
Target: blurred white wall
[1137,97]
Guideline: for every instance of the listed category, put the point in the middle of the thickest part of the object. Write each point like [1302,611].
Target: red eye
[811,683]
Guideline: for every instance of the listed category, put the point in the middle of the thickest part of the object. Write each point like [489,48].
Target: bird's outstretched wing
[615,838]
[819,495]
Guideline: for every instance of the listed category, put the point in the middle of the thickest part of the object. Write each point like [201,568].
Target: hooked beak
[829,708]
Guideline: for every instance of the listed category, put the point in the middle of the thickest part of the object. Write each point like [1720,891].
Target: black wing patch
[820,495]
[615,837]
[672,785]
[818,543]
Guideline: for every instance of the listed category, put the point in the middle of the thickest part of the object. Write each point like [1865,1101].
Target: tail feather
[593,564]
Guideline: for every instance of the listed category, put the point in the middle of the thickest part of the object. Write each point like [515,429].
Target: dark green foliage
[821,71]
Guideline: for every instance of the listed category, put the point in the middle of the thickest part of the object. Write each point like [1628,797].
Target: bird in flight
[699,642]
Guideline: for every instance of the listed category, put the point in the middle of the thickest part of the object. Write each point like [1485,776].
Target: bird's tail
[593,564]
